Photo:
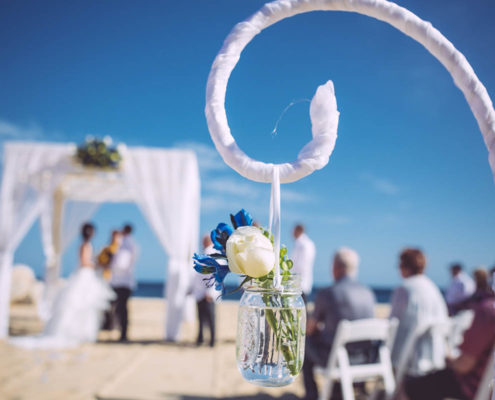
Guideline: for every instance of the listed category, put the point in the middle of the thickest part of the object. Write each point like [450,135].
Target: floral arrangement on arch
[98,153]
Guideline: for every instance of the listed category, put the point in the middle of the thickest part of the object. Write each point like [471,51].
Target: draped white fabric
[30,174]
[41,179]
[166,184]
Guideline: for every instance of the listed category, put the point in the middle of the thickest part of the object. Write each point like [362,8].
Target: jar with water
[271,331]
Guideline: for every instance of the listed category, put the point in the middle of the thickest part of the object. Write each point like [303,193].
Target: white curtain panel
[167,189]
[31,172]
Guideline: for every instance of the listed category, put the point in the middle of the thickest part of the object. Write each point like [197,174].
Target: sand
[144,369]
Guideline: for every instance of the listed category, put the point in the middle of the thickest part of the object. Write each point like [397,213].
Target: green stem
[285,334]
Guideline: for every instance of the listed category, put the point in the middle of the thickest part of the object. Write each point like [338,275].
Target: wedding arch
[43,179]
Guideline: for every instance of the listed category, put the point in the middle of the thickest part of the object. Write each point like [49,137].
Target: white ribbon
[274,225]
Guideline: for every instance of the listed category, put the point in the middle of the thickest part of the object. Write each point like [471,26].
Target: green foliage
[97,153]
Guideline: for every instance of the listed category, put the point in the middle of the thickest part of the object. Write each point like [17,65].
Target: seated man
[345,299]
[461,378]
[417,302]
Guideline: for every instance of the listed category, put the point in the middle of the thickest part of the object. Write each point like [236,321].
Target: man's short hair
[348,260]
[413,260]
[456,268]
[299,227]
[127,230]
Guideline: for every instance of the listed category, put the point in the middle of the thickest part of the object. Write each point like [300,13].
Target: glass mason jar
[271,330]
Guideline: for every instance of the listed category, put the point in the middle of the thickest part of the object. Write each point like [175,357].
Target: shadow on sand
[167,343]
[259,396]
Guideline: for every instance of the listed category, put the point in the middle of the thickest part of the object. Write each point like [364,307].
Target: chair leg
[326,390]
[345,376]
[388,375]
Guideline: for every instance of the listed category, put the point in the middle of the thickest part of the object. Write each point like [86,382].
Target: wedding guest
[492,275]
[460,288]
[482,290]
[417,302]
[345,299]
[205,299]
[303,257]
[105,258]
[122,280]
[107,253]
[462,377]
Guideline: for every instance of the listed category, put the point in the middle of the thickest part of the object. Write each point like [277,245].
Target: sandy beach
[146,368]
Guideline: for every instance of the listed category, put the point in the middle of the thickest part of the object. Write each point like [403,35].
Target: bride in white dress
[78,309]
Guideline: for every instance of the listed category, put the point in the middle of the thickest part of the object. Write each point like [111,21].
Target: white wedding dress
[76,314]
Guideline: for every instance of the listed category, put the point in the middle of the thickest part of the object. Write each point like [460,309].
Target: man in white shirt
[205,298]
[460,288]
[122,280]
[303,256]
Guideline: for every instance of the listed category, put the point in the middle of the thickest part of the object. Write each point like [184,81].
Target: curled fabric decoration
[324,117]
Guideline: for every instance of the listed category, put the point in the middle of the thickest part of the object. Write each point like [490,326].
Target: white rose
[249,252]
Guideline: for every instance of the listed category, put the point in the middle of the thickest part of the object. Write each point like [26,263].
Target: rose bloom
[249,252]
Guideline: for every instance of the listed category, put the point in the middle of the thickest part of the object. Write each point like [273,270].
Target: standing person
[105,258]
[303,257]
[205,299]
[122,280]
[460,288]
[417,302]
[78,309]
[345,299]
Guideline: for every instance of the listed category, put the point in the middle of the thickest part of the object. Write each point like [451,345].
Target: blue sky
[409,167]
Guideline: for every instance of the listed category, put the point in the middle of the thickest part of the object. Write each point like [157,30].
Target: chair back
[339,367]
[437,330]
[458,325]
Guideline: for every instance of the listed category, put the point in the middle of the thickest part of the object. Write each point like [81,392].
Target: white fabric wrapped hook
[313,155]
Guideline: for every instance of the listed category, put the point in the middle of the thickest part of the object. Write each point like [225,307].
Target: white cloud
[237,187]
[381,185]
[294,196]
[9,130]
[336,219]
[208,157]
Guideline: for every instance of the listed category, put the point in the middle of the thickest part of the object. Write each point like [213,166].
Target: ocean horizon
[157,290]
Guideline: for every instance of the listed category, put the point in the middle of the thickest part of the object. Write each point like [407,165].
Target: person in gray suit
[345,299]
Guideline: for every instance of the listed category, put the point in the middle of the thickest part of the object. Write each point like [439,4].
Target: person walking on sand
[303,257]
[205,299]
[122,280]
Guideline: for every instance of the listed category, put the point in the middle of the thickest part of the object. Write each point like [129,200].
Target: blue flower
[242,218]
[208,265]
[220,235]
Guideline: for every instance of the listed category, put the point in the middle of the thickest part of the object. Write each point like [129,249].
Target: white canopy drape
[42,180]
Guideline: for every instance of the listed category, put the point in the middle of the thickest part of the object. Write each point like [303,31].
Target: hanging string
[293,102]
[274,225]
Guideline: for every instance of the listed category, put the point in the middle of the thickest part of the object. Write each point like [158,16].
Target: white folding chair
[437,330]
[339,367]
[459,323]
